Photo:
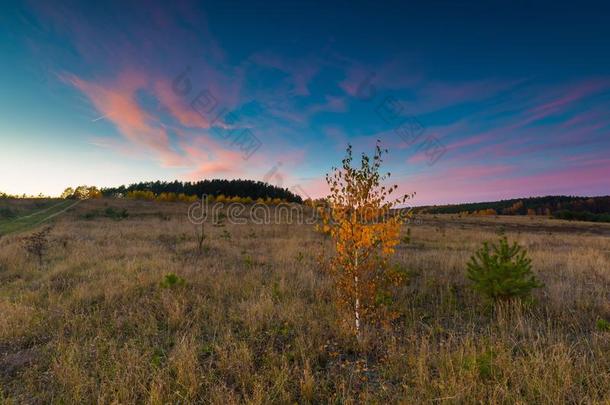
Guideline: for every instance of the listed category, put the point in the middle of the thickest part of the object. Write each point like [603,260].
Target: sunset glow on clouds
[95,88]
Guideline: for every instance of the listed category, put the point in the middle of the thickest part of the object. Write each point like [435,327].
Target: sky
[474,101]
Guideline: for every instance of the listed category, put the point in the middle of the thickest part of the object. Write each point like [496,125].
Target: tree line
[254,190]
[564,207]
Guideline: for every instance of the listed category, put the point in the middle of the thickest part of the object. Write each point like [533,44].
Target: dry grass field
[254,321]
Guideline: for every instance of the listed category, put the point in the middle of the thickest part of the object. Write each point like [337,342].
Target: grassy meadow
[251,319]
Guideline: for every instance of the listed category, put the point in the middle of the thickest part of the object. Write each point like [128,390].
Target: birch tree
[364,231]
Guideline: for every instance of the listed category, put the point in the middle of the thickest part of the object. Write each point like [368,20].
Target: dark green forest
[596,209]
[215,187]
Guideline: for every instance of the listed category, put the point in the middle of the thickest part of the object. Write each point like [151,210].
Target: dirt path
[36,218]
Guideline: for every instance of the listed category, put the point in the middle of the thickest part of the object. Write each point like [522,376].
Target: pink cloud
[117,102]
[357,79]
[547,102]
[331,104]
[485,183]
[210,158]
[418,158]
[178,106]
[469,141]
[310,188]
[572,94]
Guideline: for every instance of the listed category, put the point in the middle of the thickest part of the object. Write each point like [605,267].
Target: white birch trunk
[357,304]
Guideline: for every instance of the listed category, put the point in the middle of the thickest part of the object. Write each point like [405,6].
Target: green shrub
[502,272]
[481,363]
[171,280]
[90,215]
[406,239]
[7,213]
[249,261]
[116,214]
[501,230]
[602,325]
[108,213]
[582,216]
[158,358]
[299,257]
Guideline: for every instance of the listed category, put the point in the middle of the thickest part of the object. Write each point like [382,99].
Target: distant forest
[215,187]
[595,209]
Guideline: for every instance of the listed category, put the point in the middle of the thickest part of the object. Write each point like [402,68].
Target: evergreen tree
[502,272]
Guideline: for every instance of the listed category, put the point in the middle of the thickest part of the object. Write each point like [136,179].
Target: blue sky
[474,102]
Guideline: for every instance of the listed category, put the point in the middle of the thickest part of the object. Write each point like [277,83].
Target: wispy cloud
[502,134]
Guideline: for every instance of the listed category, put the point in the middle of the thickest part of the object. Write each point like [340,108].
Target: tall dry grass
[255,321]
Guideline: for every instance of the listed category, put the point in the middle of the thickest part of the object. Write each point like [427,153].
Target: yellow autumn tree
[364,229]
[68,193]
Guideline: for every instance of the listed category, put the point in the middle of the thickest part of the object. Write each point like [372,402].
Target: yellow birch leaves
[361,219]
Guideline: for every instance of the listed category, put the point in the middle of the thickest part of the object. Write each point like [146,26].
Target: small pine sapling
[502,271]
